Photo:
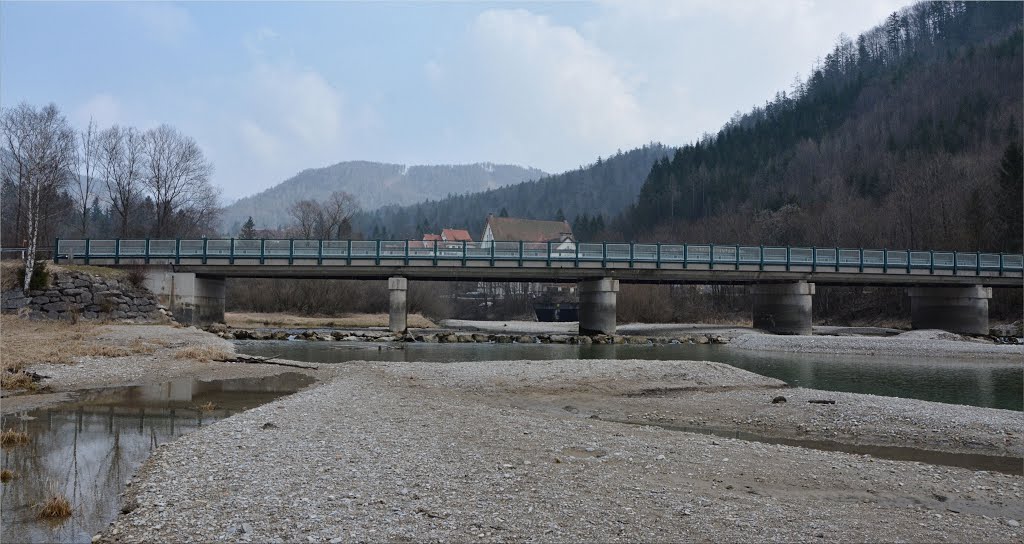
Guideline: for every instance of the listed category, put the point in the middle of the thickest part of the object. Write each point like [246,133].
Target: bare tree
[38,155]
[87,162]
[121,162]
[306,214]
[336,215]
[177,177]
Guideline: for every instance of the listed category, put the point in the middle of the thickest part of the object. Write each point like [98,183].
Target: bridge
[948,290]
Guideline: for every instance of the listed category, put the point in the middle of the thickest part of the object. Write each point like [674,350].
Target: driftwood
[821,401]
[266,361]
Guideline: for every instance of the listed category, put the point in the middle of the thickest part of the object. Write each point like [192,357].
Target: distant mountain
[374,185]
[600,190]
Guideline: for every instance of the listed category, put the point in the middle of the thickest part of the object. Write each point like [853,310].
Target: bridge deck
[524,261]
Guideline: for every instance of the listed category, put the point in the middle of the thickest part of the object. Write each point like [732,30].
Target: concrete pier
[597,306]
[962,310]
[398,316]
[193,299]
[783,308]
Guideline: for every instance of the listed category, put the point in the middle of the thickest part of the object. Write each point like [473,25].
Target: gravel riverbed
[922,343]
[427,452]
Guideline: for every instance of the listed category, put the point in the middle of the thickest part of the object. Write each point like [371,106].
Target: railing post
[406,244]
[711,256]
[231,253]
[205,240]
[1000,263]
[908,262]
[463,253]
[686,255]
[632,254]
[760,254]
[320,252]
[837,259]
[549,253]
[88,248]
[861,251]
[788,255]
[263,252]
[657,263]
[117,251]
[604,256]
[954,262]
[931,261]
[377,257]
[977,263]
[521,253]
[434,253]
[56,247]
[814,259]
[146,259]
[885,261]
[576,245]
[494,243]
[348,253]
[177,251]
[737,256]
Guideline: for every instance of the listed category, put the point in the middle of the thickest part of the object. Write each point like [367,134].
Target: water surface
[89,448]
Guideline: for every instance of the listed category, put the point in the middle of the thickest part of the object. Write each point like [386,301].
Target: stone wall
[74,294]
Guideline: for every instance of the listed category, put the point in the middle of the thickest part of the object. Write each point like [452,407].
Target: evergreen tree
[1011,187]
[560,215]
[503,213]
[248,231]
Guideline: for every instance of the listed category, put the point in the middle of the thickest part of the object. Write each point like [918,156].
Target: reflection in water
[977,383]
[89,448]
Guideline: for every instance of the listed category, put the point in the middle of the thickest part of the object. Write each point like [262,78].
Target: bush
[136,276]
[40,277]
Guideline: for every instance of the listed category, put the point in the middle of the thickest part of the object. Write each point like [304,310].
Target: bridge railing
[710,255]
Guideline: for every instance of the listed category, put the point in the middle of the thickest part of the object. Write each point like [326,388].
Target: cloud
[259,143]
[298,103]
[164,22]
[103,108]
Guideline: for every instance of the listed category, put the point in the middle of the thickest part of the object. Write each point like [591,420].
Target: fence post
[231,253]
[954,262]
[549,253]
[604,256]
[494,243]
[177,251]
[377,257]
[787,258]
[686,255]
[88,248]
[908,261]
[406,244]
[117,251]
[658,258]
[814,259]
[576,245]
[632,254]
[464,253]
[860,250]
[146,260]
[320,252]
[931,261]
[348,253]
[434,253]
[760,254]
[737,256]
[56,247]
[205,240]
[263,247]
[837,259]
[977,263]
[1000,263]
[521,253]
[885,261]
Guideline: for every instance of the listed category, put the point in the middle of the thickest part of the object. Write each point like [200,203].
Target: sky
[269,89]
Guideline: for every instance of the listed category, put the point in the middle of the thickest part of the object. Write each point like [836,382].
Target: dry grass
[17,380]
[245,319]
[9,274]
[6,475]
[25,342]
[203,353]
[10,438]
[208,406]
[101,271]
[55,506]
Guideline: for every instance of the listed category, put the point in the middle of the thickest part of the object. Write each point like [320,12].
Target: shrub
[10,437]
[6,475]
[56,506]
[136,276]
[40,276]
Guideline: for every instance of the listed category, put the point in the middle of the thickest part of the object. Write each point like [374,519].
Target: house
[514,229]
[456,235]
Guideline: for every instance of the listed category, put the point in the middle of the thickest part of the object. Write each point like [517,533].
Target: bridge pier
[398,315]
[194,300]
[955,309]
[597,306]
[783,308]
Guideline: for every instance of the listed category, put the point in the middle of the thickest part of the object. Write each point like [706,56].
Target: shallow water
[977,383]
[89,448]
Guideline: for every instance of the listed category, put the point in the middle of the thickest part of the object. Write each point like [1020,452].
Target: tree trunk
[33,228]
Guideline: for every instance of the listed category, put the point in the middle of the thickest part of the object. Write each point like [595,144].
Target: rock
[779,400]
[56,307]
[1013,523]
[524,339]
[703,340]
[479,338]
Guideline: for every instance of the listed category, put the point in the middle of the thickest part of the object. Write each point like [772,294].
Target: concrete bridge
[948,290]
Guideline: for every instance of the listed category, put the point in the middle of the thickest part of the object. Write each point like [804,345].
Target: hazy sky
[268,89]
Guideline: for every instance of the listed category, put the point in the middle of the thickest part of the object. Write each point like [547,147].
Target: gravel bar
[932,344]
[402,452]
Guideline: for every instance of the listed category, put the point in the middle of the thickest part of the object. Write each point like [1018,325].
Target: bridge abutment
[956,309]
[398,315]
[783,308]
[194,300]
[597,306]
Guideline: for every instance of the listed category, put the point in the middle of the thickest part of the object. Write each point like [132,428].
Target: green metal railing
[337,252]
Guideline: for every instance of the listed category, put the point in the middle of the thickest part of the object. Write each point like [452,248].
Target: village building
[515,229]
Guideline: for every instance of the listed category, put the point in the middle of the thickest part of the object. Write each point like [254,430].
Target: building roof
[432,237]
[456,235]
[514,229]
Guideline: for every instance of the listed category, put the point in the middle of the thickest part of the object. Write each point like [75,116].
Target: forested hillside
[908,136]
[373,185]
[602,189]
